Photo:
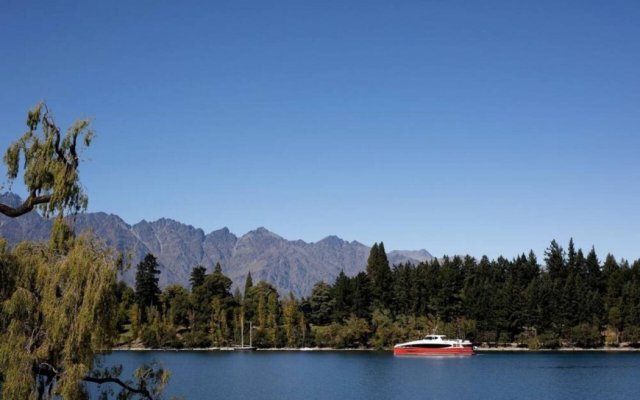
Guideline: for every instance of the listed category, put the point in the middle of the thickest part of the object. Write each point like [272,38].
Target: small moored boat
[434,345]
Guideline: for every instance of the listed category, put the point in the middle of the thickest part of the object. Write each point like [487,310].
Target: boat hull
[425,351]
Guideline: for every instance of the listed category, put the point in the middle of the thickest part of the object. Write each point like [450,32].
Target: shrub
[548,340]
[586,336]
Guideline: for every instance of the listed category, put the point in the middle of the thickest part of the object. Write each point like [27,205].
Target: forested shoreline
[570,299]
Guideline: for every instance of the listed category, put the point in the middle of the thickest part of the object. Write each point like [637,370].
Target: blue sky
[461,127]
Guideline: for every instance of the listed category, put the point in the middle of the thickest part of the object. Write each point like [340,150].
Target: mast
[250,329]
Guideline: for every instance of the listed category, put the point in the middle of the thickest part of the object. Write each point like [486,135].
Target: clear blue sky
[482,127]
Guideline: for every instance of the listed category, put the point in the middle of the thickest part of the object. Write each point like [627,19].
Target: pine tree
[556,266]
[248,284]
[322,304]
[362,295]
[342,292]
[572,263]
[402,290]
[197,276]
[147,290]
[380,275]
[593,270]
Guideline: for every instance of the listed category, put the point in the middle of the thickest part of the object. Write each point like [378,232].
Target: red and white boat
[434,345]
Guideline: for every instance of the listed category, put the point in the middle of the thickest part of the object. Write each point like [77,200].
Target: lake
[377,375]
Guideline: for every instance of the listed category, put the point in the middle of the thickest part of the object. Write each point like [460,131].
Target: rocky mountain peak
[292,266]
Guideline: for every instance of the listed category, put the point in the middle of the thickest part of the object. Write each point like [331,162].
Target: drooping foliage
[50,162]
[60,305]
[58,313]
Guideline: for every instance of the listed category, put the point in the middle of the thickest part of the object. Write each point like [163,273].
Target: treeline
[572,299]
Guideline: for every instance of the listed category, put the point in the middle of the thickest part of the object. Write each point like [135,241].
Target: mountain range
[290,265]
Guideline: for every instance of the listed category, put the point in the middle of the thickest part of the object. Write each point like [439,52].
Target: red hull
[447,351]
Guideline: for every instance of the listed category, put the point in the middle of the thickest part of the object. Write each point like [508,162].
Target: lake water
[372,375]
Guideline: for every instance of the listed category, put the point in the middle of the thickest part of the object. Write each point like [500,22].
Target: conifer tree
[572,263]
[593,270]
[342,292]
[197,276]
[147,289]
[380,275]
[362,295]
[555,260]
[248,284]
[322,304]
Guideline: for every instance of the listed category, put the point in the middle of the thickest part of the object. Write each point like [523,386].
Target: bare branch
[141,391]
[47,120]
[49,372]
[74,154]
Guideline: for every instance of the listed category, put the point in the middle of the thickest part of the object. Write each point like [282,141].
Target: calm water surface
[364,375]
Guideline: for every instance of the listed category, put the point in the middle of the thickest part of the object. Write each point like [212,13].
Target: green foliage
[614,317]
[215,285]
[125,296]
[147,290]
[494,302]
[60,306]
[50,163]
[586,335]
[248,284]
[631,335]
[386,333]
[8,271]
[353,333]
[342,294]
[361,296]
[197,276]
[175,299]
[60,312]
[197,339]
[379,273]
[548,340]
[322,304]
[290,320]
[159,332]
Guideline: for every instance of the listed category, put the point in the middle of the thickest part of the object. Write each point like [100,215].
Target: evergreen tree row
[572,299]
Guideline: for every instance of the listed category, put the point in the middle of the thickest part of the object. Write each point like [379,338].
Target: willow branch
[141,390]
[25,207]
[49,372]
[48,121]
[74,154]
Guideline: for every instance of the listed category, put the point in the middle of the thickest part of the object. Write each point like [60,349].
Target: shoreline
[230,349]
[331,349]
[559,350]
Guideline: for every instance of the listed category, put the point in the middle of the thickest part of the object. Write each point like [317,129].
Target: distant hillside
[292,266]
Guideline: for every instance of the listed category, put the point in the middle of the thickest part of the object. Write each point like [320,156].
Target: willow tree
[57,299]
[50,165]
